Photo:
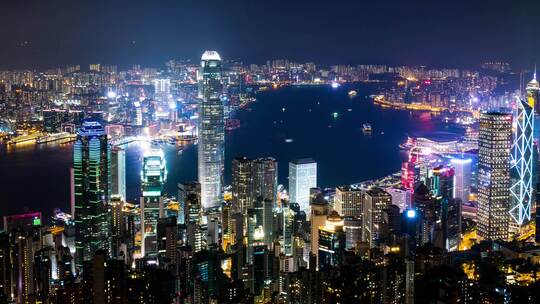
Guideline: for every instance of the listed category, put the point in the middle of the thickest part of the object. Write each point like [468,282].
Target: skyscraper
[302,177]
[116,218]
[376,201]
[533,91]
[91,179]
[251,180]
[494,142]
[167,231]
[189,196]
[462,178]
[348,201]
[153,177]
[521,163]
[447,210]
[211,130]
[190,213]
[118,172]
[288,229]
[331,243]
[319,212]
[264,178]
[242,184]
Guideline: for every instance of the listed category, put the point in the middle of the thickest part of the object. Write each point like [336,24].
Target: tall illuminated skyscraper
[91,184]
[462,178]
[376,201]
[521,163]
[264,179]
[302,177]
[211,130]
[251,180]
[118,172]
[494,144]
[242,184]
[153,177]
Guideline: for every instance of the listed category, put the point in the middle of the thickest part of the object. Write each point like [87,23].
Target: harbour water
[293,122]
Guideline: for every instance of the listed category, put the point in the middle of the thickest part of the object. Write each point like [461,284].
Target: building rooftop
[211,55]
[91,128]
[302,161]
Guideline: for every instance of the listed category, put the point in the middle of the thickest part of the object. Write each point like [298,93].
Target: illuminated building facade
[264,179]
[118,172]
[91,179]
[253,180]
[319,211]
[211,130]
[533,91]
[189,196]
[22,222]
[332,241]
[521,168]
[462,178]
[242,184]
[302,177]
[348,201]
[116,218]
[447,209]
[376,201]
[353,232]
[494,144]
[287,229]
[409,171]
[153,177]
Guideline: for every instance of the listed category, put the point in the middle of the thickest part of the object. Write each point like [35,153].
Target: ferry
[352,93]
[366,128]
[63,136]
[30,138]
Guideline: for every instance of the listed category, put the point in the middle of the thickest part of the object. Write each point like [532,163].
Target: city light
[368,167]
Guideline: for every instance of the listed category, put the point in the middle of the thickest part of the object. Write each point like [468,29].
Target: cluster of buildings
[256,242]
[155,101]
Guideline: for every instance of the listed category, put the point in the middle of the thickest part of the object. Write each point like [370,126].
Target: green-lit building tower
[91,184]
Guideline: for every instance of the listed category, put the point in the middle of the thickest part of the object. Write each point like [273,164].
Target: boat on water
[62,136]
[366,128]
[352,93]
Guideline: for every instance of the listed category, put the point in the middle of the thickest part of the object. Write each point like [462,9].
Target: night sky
[459,33]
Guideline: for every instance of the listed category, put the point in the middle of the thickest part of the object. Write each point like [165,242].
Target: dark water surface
[36,177]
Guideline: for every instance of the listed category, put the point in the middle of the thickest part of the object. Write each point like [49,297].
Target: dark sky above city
[49,33]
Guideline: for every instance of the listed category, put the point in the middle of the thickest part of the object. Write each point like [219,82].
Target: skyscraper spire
[533,84]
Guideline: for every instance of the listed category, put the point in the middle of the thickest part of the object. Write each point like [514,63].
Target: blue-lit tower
[521,163]
[153,177]
[91,185]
